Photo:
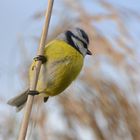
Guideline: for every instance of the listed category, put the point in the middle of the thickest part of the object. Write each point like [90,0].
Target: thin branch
[33,83]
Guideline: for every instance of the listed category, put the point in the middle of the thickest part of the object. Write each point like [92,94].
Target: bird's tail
[19,101]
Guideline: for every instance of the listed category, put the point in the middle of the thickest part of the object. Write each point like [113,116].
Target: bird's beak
[89,52]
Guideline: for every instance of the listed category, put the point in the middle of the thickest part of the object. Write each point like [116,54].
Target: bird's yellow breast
[63,65]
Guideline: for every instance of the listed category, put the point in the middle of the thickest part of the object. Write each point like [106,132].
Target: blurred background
[103,103]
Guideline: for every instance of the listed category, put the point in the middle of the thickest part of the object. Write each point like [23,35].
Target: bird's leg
[46,99]
[43,59]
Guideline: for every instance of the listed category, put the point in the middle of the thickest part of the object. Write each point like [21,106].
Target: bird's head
[78,39]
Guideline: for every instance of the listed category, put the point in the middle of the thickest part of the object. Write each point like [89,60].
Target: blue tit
[65,56]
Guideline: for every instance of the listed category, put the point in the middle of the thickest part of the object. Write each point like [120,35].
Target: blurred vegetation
[102,104]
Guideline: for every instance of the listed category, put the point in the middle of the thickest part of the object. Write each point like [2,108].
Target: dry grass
[106,103]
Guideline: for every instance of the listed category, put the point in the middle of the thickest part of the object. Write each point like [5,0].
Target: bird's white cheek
[83,50]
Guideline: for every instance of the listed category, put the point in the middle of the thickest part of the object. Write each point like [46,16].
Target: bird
[64,61]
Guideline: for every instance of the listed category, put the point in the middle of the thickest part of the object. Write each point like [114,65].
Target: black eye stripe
[84,35]
[69,34]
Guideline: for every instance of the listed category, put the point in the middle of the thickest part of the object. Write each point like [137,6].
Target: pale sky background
[16,19]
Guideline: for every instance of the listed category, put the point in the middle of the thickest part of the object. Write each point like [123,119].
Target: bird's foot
[41,58]
[33,92]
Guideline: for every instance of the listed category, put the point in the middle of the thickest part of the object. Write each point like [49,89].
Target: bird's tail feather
[19,101]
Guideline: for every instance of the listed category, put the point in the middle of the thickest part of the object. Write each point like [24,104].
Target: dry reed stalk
[33,83]
[115,108]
